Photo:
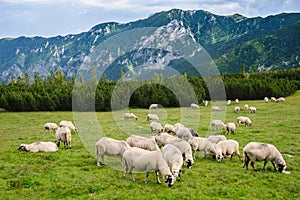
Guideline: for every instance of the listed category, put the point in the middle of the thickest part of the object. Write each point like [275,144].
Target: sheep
[174,159]
[193,132]
[130,116]
[50,126]
[244,120]
[147,161]
[168,128]
[216,138]
[217,124]
[216,108]
[63,134]
[273,99]
[155,126]
[182,132]
[252,109]
[227,147]
[68,124]
[163,139]
[237,109]
[246,107]
[280,99]
[152,117]
[39,147]
[230,128]
[266,99]
[228,102]
[202,144]
[256,151]
[205,103]
[195,106]
[142,142]
[154,106]
[110,147]
[237,101]
[185,149]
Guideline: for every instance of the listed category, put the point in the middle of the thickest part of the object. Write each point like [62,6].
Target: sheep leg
[157,178]
[131,175]
[102,157]
[265,164]
[147,175]
[274,165]
[252,165]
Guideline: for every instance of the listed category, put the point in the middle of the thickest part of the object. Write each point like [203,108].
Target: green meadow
[73,174]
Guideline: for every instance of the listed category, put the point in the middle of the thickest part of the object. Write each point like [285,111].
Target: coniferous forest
[55,92]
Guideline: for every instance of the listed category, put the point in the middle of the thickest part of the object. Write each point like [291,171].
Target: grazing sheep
[205,103]
[185,149]
[110,147]
[246,107]
[228,102]
[227,148]
[273,99]
[68,124]
[182,132]
[244,120]
[130,116]
[237,109]
[230,128]
[174,159]
[63,134]
[256,151]
[195,106]
[147,161]
[155,126]
[152,117]
[142,142]
[280,99]
[252,109]
[202,144]
[215,108]
[216,138]
[266,99]
[237,101]
[217,124]
[39,147]
[50,126]
[154,106]
[168,128]
[163,139]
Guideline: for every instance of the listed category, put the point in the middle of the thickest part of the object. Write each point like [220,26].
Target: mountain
[230,41]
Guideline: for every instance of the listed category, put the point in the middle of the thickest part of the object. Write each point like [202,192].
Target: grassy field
[73,174]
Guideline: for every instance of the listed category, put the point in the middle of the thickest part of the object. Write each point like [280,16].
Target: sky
[48,18]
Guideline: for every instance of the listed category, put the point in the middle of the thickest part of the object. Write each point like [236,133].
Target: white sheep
[39,147]
[154,106]
[155,126]
[168,128]
[147,161]
[186,150]
[205,103]
[256,151]
[152,117]
[230,128]
[273,99]
[227,148]
[237,109]
[195,106]
[215,108]
[163,139]
[246,107]
[174,159]
[237,101]
[252,109]
[110,147]
[217,124]
[228,102]
[244,120]
[280,99]
[130,116]
[216,138]
[63,134]
[182,132]
[50,126]
[266,99]
[202,144]
[68,124]
[142,142]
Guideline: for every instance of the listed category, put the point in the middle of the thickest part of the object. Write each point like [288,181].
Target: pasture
[73,174]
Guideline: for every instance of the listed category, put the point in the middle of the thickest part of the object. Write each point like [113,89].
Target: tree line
[55,92]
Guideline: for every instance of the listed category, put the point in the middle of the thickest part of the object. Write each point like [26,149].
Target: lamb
[185,149]
[130,116]
[152,117]
[174,159]
[216,138]
[182,132]
[63,134]
[244,120]
[163,139]
[39,147]
[237,109]
[246,107]
[215,108]
[230,128]
[217,124]
[147,161]
[154,106]
[50,126]
[280,99]
[168,128]
[68,124]
[155,126]
[252,109]
[195,106]
[110,147]
[142,142]
[256,151]
[228,102]
[266,99]
[202,144]
[227,147]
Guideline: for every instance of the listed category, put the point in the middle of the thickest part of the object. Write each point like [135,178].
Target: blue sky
[49,18]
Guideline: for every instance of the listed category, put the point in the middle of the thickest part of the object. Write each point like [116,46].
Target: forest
[55,92]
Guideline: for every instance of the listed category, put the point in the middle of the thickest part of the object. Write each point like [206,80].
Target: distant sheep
[202,144]
[237,101]
[39,147]
[174,159]
[110,147]
[237,109]
[205,103]
[244,120]
[130,116]
[230,128]
[155,106]
[147,161]
[182,132]
[168,128]
[228,102]
[227,148]
[63,134]
[273,99]
[280,99]
[156,127]
[215,108]
[256,151]
[50,126]
[195,106]
[246,107]
[217,124]
[142,142]
[216,138]
[252,109]
[152,117]
[266,99]
[68,124]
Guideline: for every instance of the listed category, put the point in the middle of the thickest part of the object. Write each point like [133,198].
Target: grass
[73,174]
